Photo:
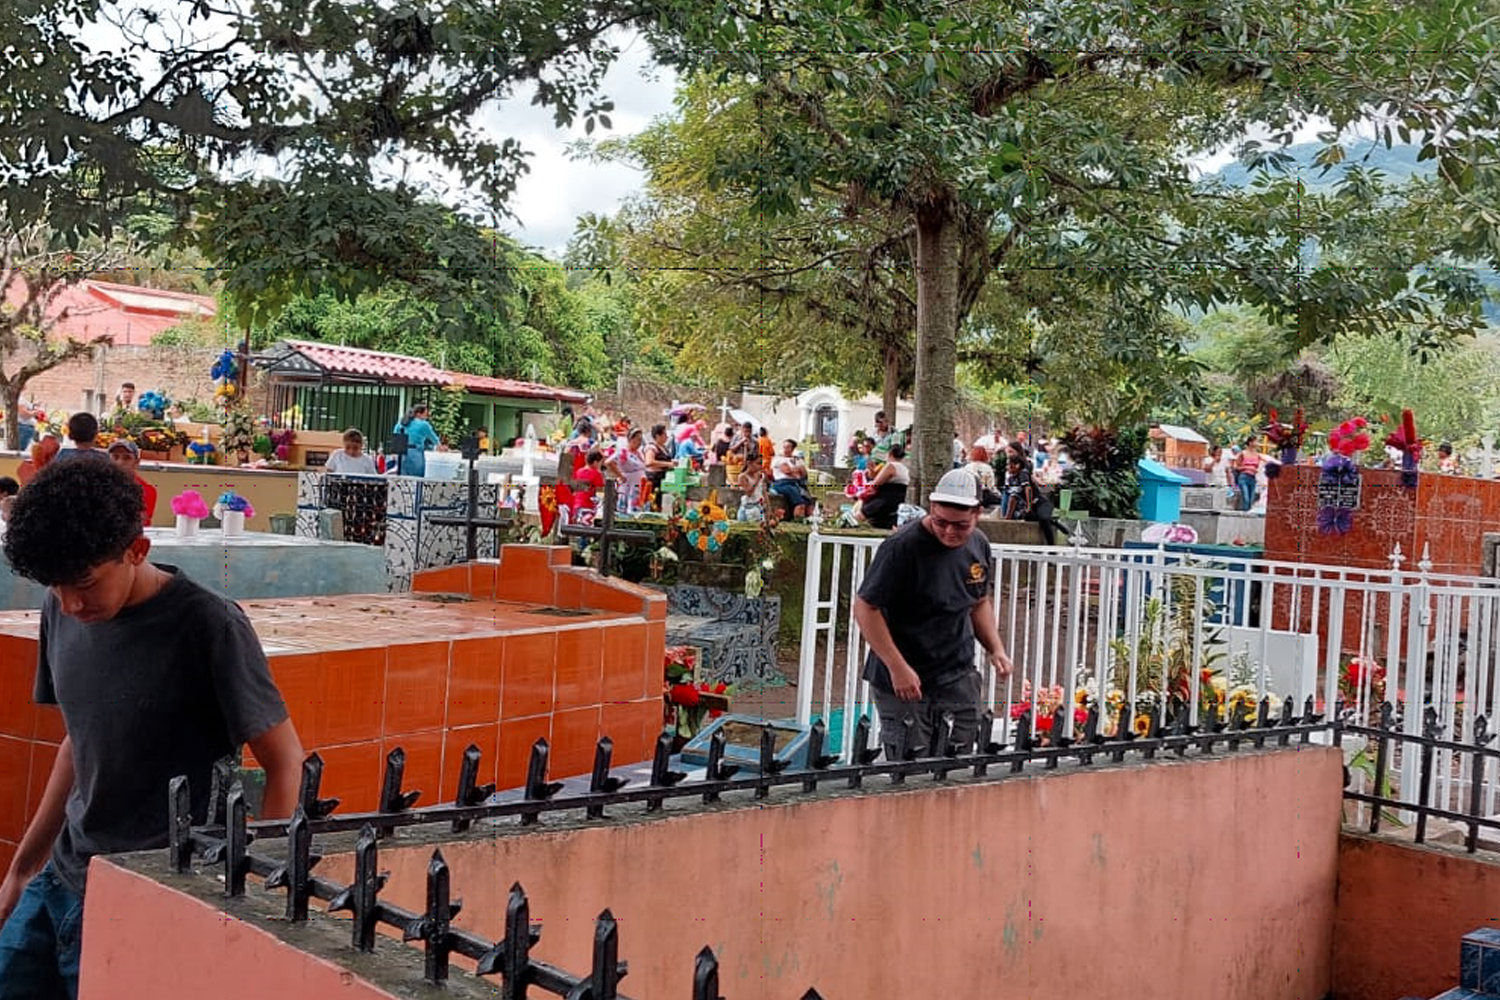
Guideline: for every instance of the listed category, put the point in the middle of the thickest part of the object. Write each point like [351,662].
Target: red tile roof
[485,385]
[401,368]
[370,364]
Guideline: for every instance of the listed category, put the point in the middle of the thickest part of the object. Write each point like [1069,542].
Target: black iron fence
[224,841]
[1372,779]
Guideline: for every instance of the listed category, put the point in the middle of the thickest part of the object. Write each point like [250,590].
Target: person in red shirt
[587,483]
[127,456]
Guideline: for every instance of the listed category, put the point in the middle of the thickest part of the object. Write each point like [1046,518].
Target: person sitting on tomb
[83,431]
[419,437]
[351,460]
[888,491]
[1247,468]
[1447,464]
[925,600]
[156,677]
[752,484]
[127,455]
[789,480]
[1025,499]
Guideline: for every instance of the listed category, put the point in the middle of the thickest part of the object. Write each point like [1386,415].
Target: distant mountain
[1399,163]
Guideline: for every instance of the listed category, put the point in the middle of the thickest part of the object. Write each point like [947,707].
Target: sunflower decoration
[707,524]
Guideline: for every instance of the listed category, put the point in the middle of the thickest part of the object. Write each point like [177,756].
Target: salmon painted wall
[1401,912]
[1166,880]
[131,952]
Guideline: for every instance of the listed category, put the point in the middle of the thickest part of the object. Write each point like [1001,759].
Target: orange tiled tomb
[363,674]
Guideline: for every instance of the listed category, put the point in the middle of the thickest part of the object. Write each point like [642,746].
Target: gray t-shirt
[927,593]
[164,688]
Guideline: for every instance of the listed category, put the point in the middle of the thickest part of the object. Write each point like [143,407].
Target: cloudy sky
[559,189]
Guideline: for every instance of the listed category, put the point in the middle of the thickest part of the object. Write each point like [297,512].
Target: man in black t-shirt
[155,677]
[925,599]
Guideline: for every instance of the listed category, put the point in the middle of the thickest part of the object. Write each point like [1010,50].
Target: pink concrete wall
[1401,912]
[1168,881]
[144,940]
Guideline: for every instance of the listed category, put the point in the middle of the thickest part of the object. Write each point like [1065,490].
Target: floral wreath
[1339,469]
[708,525]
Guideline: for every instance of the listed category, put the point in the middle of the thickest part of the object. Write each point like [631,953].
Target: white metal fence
[1151,629]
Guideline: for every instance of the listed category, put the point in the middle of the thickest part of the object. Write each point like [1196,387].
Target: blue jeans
[40,943]
[1245,481]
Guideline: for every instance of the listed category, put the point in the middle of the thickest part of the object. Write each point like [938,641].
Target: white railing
[1214,629]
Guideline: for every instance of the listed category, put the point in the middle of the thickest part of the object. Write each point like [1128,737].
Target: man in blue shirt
[419,437]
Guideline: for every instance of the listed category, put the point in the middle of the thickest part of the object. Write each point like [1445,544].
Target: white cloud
[559,188]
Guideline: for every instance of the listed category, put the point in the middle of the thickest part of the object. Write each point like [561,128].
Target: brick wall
[180,372]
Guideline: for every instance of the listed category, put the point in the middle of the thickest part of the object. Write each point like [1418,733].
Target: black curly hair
[72,517]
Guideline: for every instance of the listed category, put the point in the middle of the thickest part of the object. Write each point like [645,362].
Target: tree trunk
[937,341]
[891,389]
[10,398]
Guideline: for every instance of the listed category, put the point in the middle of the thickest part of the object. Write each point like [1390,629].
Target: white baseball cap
[957,488]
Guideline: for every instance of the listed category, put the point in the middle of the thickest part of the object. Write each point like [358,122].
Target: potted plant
[232,509]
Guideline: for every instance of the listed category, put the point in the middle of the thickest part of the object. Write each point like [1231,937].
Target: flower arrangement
[189,503]
[1404,439]
[1340,470]
[159,439]
[1286,439]
[690,703]
[1045,705]
[1286,436]
[281,443]
[232,501]
[707,525]
[1356,674]
[153,403]
[238,435]
[201,452]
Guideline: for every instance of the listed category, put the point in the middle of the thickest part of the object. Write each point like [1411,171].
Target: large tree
[311,141]
[1060,137]
[36,272]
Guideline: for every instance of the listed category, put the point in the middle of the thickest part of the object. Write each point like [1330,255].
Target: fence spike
[538,788]
[601,781]
[221,779]
[434,926]
[312,780]
[179,824]
[470,792]
[236,842]
[511,955]
[706,975]
[360,896]
[662,775]
[392,798]
[769,765]
[608,970]
[864,752]
[1024,741]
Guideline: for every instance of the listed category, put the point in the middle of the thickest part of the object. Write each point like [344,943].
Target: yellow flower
[1142,724]
[1081,696]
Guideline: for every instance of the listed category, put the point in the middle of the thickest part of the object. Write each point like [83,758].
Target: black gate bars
[226,837]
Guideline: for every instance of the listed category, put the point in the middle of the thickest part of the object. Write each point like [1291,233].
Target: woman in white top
[628,466]
[352,461]
[890,485]
[979,465]
[752,483]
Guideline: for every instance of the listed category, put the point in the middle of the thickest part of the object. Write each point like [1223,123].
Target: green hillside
[1399,163]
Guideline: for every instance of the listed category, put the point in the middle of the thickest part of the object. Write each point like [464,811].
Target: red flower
[683,694]
[1080,717]
[1044,724]
[1019,709]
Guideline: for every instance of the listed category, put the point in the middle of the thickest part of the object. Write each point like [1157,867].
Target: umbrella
[681,408]
[741,417]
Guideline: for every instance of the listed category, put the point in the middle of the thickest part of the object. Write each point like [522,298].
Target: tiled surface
[1447,515]
[1479,962]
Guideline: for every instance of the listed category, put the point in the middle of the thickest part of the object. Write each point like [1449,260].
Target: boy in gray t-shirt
[155,677]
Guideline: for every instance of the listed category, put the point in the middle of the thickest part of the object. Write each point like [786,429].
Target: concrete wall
[131,952]
[1401,912]
[1173,880]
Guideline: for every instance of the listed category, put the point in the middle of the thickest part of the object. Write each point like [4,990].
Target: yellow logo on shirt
[976,572]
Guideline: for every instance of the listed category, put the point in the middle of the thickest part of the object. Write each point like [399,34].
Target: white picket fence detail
[1075,616]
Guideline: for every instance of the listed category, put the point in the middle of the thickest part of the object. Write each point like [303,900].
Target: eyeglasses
[943,524]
